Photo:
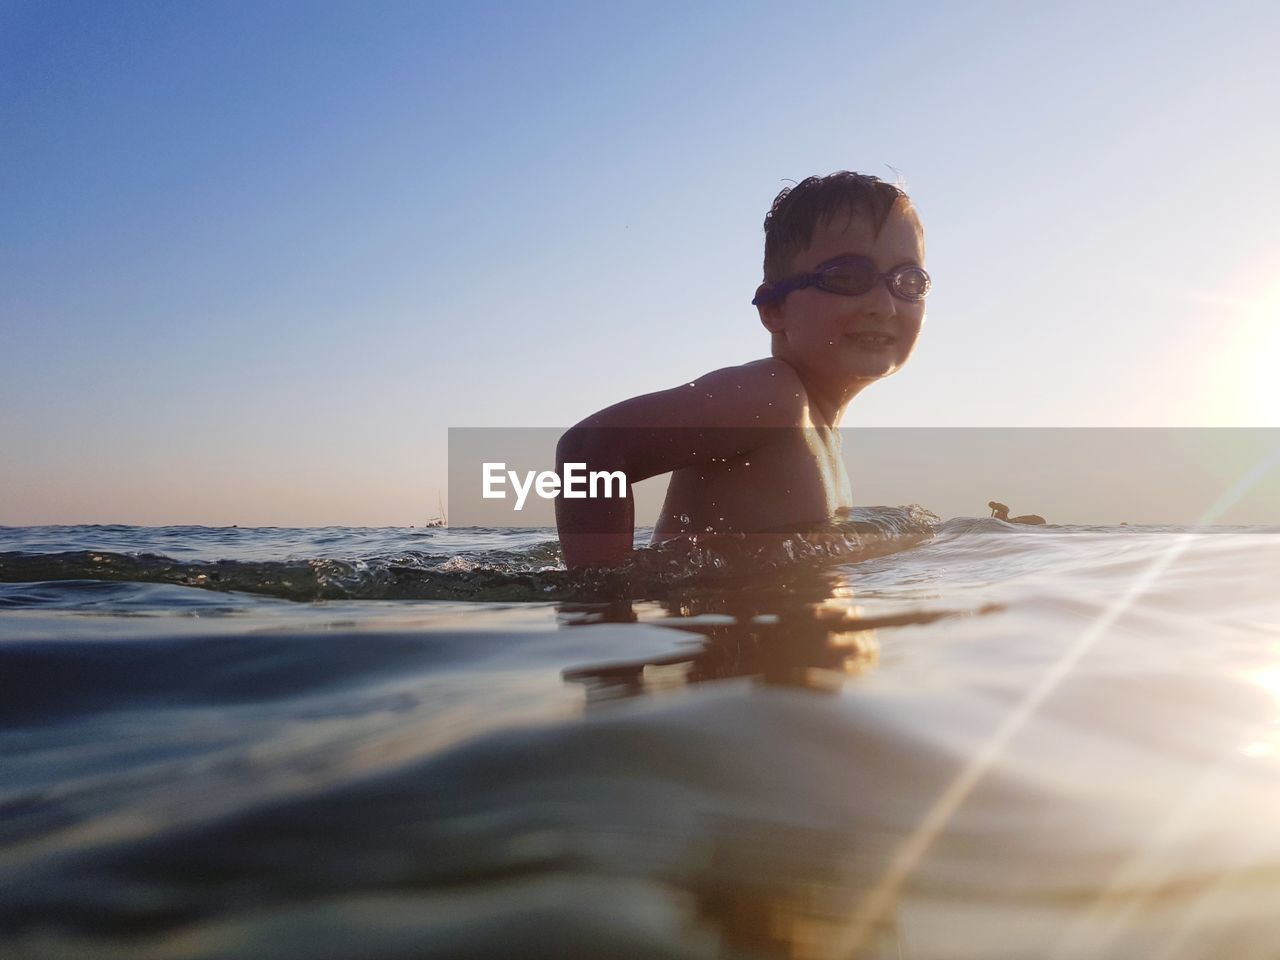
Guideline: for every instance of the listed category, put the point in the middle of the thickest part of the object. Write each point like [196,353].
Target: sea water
[959,739]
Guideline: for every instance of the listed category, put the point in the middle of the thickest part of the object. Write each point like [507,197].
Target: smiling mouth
[872,339]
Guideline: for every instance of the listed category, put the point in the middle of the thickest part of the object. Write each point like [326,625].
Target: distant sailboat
[1001,512]
[443,519]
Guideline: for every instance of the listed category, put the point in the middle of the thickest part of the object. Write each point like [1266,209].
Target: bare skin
[787,475]
[753,448]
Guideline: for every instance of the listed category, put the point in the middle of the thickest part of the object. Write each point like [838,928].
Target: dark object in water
[1001,512]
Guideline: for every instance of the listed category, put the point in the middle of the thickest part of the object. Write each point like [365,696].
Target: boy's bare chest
[791,483]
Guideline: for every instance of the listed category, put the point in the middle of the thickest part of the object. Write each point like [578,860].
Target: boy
[755,448]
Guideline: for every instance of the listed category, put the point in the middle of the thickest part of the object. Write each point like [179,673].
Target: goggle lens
[850,277]
[911,283]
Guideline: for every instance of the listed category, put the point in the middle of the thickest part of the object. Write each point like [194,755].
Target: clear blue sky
[255,259]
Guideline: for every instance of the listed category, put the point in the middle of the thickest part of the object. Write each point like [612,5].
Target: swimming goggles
[851,276]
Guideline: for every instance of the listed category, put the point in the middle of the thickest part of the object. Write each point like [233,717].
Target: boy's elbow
[590,445]
[572,445]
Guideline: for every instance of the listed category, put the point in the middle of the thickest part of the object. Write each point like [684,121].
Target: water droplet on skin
[683,518]
[711,530]
[747,464]
[693,384]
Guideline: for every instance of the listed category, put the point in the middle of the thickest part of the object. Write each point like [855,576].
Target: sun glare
[1249,378]
[1265,380]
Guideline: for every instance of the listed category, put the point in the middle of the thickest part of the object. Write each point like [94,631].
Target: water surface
[959,739]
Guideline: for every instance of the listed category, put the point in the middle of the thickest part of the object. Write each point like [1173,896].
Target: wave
[489,574]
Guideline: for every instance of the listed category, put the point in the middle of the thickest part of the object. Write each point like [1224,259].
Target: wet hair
[798,211]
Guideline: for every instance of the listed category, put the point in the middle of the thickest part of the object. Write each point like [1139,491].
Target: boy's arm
[718,417]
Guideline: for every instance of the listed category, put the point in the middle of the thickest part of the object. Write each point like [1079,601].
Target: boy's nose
[878,301]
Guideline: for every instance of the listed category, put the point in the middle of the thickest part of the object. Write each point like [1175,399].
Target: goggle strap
[779,289]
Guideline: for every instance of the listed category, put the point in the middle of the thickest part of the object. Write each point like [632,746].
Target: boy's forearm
[594,531]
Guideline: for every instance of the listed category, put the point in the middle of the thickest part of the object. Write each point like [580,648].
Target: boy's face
[841,340]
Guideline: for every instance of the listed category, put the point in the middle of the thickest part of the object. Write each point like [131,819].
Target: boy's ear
[772,312]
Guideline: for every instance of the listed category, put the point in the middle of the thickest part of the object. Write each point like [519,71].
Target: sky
[257,259]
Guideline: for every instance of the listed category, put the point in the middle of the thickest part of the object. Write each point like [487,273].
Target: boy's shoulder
[761,394]
[769,368]
[766,393]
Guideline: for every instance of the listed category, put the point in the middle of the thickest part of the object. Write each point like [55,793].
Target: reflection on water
[771,889]
[809,634]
